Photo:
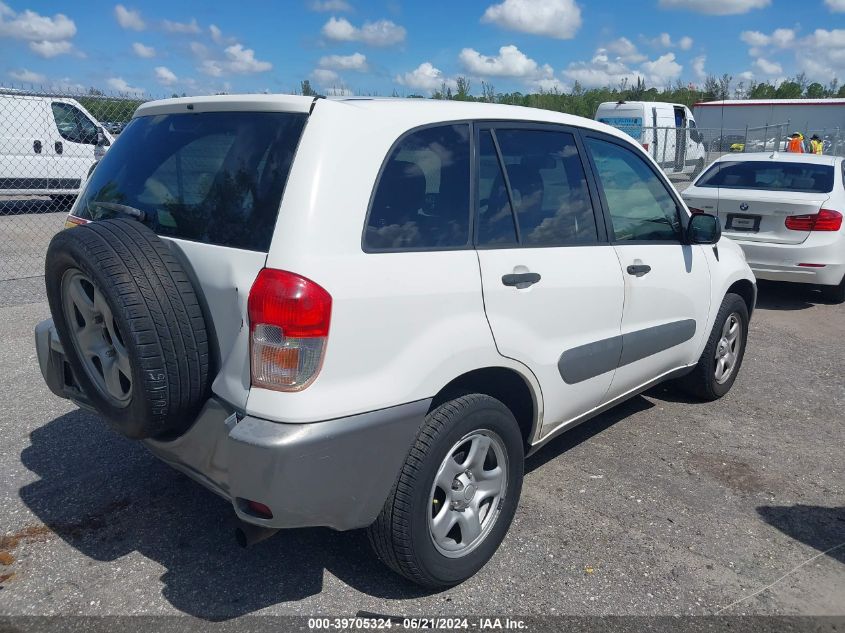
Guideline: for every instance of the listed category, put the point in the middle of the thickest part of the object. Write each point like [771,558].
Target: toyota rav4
[366,313]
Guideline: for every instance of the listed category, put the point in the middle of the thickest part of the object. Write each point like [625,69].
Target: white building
[801,115]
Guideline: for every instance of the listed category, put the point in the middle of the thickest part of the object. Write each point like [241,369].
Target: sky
[159,47]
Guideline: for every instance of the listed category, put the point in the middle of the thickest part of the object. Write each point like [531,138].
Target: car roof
[409,112]
[779,157]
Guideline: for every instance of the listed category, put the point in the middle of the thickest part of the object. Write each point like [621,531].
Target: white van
[667,131]
[48,145]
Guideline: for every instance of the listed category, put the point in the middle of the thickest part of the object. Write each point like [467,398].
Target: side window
[640,206]
[549,188]
[422,197]
[72,124]
[495,217]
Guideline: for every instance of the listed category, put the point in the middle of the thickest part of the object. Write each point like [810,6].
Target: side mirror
[704,228]
[696,136]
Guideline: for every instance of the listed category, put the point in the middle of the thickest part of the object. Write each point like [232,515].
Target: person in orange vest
[796,143]
[816,145]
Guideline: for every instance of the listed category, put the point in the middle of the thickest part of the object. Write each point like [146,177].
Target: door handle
[36,147]
[638,270]
[521,280]
[59,148]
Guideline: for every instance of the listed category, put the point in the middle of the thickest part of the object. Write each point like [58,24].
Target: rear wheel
[834,294]
[456,495]
[718,367]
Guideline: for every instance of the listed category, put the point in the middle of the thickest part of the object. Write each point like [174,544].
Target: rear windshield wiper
[125,209]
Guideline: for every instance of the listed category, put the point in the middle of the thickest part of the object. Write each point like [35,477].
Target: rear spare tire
[131,326]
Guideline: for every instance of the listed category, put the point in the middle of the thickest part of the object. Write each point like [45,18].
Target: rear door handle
[36,147]
[521,280]
[638,270]
[59,148]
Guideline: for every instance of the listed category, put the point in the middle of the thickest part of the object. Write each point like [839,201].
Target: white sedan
[785,210]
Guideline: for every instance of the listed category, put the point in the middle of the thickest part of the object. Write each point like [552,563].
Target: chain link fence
[49,144]
[50,141]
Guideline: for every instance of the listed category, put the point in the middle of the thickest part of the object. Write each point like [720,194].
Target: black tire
[701,382]
[156,315]
[400,536]
[834,294]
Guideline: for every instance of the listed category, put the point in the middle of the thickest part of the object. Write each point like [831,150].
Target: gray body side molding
[594,359]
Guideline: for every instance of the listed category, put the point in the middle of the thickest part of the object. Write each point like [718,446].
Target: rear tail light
[645,146]
[824,220]
[289,319]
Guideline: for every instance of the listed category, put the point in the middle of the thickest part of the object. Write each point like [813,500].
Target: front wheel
[718,367]
[456,495]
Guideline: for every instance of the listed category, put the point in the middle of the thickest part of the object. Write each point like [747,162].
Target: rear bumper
[780,262]
[334,473]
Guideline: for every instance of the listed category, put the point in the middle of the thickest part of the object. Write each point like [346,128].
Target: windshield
[769,176]
[214,177]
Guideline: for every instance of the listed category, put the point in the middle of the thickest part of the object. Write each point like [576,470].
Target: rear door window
[214,177]
[769,176]
[421,200]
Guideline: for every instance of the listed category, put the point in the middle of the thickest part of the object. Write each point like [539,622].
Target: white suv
[366,313]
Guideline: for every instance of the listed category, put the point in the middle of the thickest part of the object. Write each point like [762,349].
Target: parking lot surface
[660,506]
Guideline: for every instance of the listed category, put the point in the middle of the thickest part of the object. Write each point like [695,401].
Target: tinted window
[72,124]
[422,197]
[214,177]
[495,218]
[769,176]
[549,187]
[640,206]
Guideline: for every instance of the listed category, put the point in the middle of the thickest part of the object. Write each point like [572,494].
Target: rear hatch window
[213,177]
[770,176]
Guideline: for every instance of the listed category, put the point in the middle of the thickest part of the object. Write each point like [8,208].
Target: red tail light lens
[645,146]
[824,220]
[289,318]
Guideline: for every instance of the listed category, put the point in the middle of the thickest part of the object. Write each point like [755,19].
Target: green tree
[462,89]
[816,91]
[306,89]
[789,90]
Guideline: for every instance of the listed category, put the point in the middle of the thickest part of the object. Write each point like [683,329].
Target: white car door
[552,286]
[73,149]
[25,166]
[667,282]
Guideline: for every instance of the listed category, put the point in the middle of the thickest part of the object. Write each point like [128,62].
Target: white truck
[48,145]
[667,131]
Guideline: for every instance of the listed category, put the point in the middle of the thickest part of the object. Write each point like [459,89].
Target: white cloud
[685,43]
[510,62]
[143,51]
[324,76]
[602,70]
[698,65]
[664,40]
[550,84]
[165,76]
[191,27]
[129,18]
[780,38]
[716,7]
[47,36]
[765,67]
[329,5]
[238,61]
[837,6]
[553,18]
[662,71]
[199,49]
[27,76]
[379,33]
[120,85]
[217,36]
[626,50]
[49,49]
[822,54]
[424,77]
[356,61]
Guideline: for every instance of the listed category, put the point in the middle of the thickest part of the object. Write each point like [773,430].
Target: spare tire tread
[162,320]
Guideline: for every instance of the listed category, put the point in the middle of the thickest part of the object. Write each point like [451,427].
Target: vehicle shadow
[817,526]
[779,295]
[583,432]
[107,497]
